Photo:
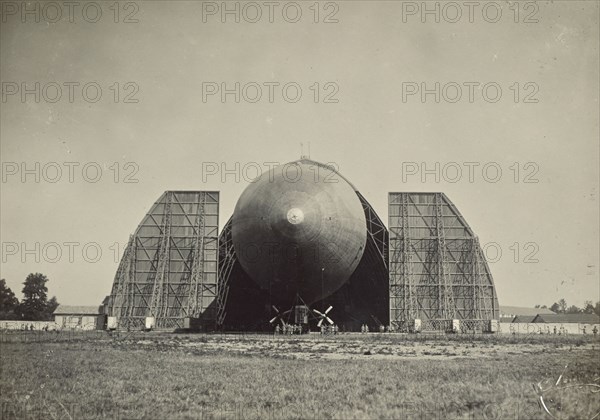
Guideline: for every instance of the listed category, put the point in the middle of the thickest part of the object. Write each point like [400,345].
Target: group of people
[329,329]
[382,328]
[594,330]
[291,329]
[288,329]
[562,330]
[31,327]
[545,329]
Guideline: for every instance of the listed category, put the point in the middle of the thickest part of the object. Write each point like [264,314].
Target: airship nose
[295,216]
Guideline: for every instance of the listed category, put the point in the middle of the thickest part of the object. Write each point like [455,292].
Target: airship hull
[299,231]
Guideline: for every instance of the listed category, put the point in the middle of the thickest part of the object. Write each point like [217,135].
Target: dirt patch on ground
[347,347]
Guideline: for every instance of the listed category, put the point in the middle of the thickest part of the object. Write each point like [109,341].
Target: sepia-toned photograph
[310,209]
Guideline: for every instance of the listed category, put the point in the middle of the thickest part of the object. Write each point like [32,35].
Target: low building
[79,317]
[514,311]
[553,324]
[590,319]
[524,319]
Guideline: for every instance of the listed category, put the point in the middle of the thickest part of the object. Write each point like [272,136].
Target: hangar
[305,250]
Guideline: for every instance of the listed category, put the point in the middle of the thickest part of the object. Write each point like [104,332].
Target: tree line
[561,307]
[35,305]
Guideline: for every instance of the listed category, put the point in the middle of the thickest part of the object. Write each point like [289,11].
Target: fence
[551,328]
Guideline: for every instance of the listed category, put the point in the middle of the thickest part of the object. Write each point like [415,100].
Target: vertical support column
[445,291]
[120,287]
[476,278]
[195,299]
[227,259]
[159,300]
[411,305]
[130,294]
[396,288]
[483,298]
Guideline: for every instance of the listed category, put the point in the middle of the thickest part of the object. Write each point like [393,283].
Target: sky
[497,108]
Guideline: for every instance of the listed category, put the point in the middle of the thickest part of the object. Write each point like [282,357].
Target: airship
[299,232]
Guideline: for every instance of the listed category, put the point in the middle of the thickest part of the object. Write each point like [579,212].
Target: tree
[50,307]
[562,304]
[597,308]
[34,306]
[573,310]
[588,307]
[8,301]
[555,308]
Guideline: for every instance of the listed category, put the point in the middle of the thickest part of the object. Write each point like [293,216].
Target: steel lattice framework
[227,259]
[176,266]
[437,271]
[376,230]
[169,267]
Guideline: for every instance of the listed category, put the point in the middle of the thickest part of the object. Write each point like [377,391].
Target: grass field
[162,376]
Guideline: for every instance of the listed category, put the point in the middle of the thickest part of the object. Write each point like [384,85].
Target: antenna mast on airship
[302,155]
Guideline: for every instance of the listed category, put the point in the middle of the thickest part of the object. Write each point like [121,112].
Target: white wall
[18,325]
[78,322]
[61,322]
[536,328]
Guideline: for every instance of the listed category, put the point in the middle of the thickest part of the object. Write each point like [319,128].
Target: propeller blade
[320,313]
[273,320]
[275,308]
[320,323]
[328,309]
[329,320]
